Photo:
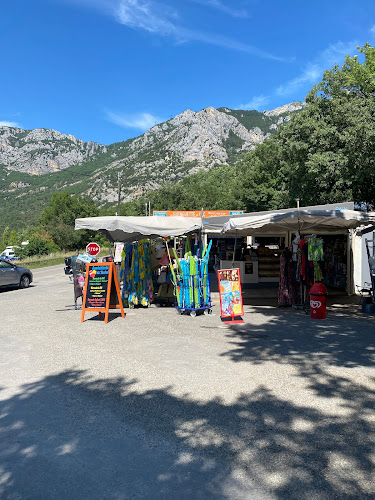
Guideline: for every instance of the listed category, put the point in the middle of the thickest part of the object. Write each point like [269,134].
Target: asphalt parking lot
[159,405]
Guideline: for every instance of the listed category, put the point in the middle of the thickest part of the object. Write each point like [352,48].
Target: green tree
[13,239]
[58,219]
[5,238]
[342,144]
[259,183]
[326,153]
[36,246]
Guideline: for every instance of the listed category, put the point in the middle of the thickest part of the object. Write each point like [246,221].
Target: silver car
[10,275]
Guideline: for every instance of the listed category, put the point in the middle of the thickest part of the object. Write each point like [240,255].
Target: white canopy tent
[286,223]
[121,228]
[214,225]
[317,221]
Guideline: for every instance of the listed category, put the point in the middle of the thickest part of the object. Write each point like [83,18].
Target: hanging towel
[315,249]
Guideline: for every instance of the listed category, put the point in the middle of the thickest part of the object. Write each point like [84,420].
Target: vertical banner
[119,247]
[102,290]
[230,292]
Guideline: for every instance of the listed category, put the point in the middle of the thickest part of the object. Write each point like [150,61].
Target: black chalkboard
[102,290]
[97,287]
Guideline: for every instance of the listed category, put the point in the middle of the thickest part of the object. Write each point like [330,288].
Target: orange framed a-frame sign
[102,290]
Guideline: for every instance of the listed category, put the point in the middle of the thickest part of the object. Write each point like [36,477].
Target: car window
[4,264]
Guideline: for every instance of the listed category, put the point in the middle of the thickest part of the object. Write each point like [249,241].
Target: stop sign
[93,249]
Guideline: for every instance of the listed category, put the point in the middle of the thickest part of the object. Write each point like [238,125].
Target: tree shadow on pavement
[292,337]
[70,436]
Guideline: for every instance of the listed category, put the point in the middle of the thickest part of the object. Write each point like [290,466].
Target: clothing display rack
[300,268]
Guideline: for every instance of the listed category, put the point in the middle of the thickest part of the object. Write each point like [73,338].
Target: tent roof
[120,228]
[215,224]
[319,221]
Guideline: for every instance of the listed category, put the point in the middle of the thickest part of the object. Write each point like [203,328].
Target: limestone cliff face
[42,151]
[287,108]
[183,145]
[199,136]
[187,143]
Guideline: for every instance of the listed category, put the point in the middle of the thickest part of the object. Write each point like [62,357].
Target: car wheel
[25,281]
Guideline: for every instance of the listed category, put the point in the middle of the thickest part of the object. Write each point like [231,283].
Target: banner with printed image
[230,292]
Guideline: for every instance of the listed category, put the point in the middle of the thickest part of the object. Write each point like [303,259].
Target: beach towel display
[191,281]
[136,274]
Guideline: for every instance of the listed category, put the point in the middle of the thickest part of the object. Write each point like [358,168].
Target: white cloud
[228,43]
[372,31]
[145,15]
[140,121]
[141,14]
[313,71]
[311,74]
[5,123]
[159,19]
[217,4]
[257,102]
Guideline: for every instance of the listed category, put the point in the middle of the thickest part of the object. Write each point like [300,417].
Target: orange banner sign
[196,213]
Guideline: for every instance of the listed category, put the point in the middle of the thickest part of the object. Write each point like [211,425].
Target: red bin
[318,301]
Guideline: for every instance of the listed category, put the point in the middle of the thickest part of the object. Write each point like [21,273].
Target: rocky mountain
[36,163]
[185,144]
[42,151]
[286,109]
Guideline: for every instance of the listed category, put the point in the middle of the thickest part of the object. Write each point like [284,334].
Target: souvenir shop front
[256,252]
[297,248]
[157,260]
[258,257]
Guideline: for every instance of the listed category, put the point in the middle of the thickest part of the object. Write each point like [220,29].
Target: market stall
[121,228]
[314,245]
[149,262]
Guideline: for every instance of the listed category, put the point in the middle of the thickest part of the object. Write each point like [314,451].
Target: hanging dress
[285,297]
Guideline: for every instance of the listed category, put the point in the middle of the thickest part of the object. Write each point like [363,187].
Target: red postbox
[318,301]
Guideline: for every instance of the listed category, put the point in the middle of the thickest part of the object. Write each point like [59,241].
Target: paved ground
[163,406]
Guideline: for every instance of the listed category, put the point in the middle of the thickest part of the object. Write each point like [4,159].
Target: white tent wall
[358,257]
[361,273]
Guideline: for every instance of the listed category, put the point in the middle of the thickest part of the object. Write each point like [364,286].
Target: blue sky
[106,70]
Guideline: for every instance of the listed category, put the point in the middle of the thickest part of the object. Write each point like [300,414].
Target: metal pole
[149,207]
[349,267]
[234,250]
[146,208]
[118,193]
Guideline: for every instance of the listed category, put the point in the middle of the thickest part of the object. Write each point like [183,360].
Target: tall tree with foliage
[5,238]
[58,219]
[329,148]
[13,239]
[350,90]
[326,153]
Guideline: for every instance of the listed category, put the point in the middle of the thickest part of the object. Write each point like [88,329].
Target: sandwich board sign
[102,291]
[230,293]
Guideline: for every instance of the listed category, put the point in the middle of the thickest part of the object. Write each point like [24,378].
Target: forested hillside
[23,196]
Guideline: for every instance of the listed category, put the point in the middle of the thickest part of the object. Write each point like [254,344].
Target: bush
[36,246]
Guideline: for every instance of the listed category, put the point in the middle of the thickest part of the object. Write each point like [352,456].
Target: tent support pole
[349,261]
[234,249]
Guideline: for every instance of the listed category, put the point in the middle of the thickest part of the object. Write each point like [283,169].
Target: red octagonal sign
[93,249]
